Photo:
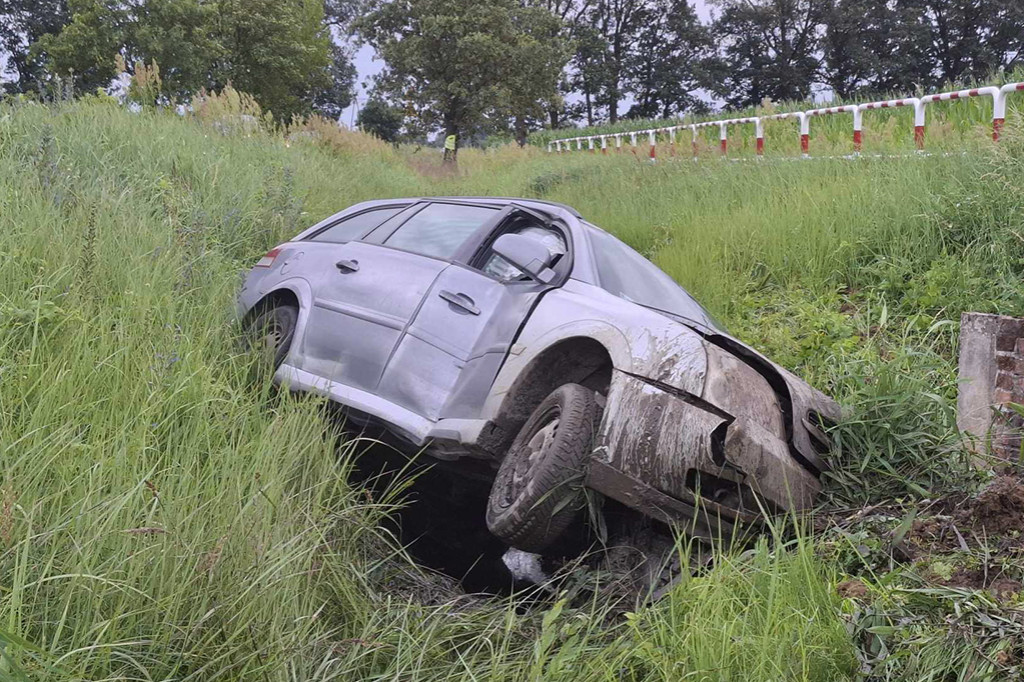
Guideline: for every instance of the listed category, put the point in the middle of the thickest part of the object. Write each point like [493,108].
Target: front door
[446,361]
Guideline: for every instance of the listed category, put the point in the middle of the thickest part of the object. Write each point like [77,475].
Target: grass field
[165,516]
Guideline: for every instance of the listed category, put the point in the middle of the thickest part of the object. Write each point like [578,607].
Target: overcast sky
[368,66]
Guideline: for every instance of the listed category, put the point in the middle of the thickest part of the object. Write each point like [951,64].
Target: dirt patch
[1005,589]
[999,508]
[852,589]
[995,517]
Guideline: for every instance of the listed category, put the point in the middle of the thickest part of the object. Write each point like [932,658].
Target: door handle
[347,265]
[460,300]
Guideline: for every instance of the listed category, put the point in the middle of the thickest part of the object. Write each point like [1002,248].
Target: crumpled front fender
[686,448]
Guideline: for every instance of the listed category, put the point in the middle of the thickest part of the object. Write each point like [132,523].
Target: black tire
[539,485]
[271,333]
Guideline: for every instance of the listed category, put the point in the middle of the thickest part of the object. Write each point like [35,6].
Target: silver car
[515,332]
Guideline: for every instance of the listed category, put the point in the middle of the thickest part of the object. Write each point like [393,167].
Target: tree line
[280,51]
[474,68]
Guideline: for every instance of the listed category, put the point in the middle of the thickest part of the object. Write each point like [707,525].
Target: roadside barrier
[803,118]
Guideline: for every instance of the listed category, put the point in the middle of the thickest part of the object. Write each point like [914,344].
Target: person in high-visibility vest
[449,148]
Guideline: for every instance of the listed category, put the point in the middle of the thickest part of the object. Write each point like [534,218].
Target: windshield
[625,273]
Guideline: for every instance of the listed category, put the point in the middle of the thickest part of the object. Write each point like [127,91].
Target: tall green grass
[163,515]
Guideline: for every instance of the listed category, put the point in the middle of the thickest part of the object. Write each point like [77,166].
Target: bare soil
[999,507]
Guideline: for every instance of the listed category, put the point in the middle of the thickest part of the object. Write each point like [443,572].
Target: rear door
[446,361]
[367,292]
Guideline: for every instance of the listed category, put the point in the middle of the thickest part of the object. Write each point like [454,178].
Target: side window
[440,229]
[499,268]
[356,226]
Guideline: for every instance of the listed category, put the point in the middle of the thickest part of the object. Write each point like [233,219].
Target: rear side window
[440,229]
[355,226]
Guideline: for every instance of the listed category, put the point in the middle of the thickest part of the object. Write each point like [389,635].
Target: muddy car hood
[805,408]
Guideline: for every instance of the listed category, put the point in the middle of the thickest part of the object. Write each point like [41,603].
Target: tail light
[268,259]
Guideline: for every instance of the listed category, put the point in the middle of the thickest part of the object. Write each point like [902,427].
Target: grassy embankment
[163,517]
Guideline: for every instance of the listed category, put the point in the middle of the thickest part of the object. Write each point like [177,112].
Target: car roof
[536,204]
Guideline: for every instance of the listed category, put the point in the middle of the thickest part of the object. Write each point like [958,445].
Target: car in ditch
[513,335]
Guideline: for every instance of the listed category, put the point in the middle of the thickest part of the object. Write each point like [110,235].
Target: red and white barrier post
[805,128]
[896,103]
[653,142]
[829,111]
[999,107]
[604,144]
[858,126]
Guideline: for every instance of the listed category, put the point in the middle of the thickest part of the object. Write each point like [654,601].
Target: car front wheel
[539,485]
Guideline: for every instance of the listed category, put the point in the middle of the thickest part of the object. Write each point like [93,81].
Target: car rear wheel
[271,333]
[539,485]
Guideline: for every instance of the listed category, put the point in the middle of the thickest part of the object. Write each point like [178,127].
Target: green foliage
[85,48]
[22,23]
[278,51]
[380,119]
[451,62]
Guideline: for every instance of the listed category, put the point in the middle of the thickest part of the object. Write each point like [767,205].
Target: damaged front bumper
[684,460]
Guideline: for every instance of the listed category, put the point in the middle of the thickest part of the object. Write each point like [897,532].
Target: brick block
[1010,326]
[1001,396]
[1004,380]
[1006,362]
[1006,342]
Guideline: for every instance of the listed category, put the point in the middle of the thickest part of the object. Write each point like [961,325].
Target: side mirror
[527,254]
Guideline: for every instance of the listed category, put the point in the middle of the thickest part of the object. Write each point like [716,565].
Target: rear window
[354,227]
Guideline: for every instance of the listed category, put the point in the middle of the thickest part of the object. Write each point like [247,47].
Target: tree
[770,48]
[85,47]
[876,46]
[573,16]
[451,62]
[673,58]
[1005,36]
[380,119]
[591,65]
[22,23]
[276,50]
[279,51]
[618,22]
[901,45]
[335,92]
[531,85]
[178,36]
